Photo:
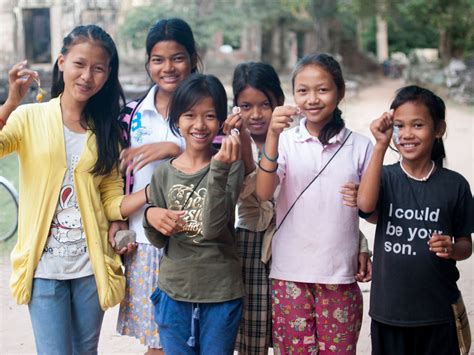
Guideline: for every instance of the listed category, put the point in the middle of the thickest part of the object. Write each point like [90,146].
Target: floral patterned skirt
[136,314]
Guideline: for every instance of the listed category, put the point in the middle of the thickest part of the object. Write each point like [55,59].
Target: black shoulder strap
[314,179]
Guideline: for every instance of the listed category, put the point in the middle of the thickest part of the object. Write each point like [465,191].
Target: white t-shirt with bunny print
[65,253]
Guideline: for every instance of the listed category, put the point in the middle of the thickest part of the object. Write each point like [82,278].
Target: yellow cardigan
[35,133]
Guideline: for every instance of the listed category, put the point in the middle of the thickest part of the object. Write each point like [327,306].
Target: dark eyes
[177,59]
[98,69]
[416,125]
[264,105]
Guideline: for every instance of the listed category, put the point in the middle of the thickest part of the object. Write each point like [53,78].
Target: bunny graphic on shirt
[67,226]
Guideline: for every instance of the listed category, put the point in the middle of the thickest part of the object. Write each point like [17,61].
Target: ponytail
[332,128]
[438,153]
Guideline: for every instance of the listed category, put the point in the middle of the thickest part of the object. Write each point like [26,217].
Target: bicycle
[8,209]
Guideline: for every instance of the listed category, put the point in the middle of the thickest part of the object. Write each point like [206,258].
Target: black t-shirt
[411,286]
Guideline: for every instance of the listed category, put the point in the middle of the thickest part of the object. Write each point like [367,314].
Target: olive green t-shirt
[200,263]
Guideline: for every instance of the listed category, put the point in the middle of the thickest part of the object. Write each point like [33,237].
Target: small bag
[462,326]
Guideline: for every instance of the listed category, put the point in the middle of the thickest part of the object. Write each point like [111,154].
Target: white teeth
[199,135]
[408,145]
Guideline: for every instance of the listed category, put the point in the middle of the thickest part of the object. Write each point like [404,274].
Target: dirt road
[15,329]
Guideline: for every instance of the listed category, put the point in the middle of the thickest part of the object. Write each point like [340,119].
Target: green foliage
[412,23]
[454,17]
[410,29]
[415,23]
[223,16]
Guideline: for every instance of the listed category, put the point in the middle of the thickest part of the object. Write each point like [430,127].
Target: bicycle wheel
[8,210]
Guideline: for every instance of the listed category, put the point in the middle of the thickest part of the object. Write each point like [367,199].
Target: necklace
[424,178]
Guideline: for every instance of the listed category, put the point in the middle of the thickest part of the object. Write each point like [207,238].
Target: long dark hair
[192,90]
[436,108]
[177,30]
[332,67]
[102,109]
[259,76]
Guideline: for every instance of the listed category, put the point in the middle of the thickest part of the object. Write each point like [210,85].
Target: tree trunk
[445,46]
[325,36]
[382,38]
[359,33]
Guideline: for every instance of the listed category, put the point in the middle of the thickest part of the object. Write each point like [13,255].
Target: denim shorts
[197,328]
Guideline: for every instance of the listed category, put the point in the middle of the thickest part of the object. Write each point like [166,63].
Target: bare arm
[133,202]
[19,80]
[267,179]
[369,188]
[137,157]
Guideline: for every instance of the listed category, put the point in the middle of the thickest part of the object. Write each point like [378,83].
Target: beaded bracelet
[274,160]
[266,170]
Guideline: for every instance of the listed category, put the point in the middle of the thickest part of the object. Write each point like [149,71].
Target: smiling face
[256,111]
[168,65]
[416,131]
[199,125]
[316,94]
[85,70]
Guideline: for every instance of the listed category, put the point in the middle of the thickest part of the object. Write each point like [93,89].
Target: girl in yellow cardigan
[70,187]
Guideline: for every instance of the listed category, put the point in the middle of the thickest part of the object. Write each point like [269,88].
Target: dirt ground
[15,328]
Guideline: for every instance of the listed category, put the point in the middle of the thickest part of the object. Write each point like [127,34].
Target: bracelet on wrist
[273,160]
[266,170]
[147,200]
[145,213]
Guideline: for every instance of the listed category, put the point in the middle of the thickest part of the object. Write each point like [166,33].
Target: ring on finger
[445,250]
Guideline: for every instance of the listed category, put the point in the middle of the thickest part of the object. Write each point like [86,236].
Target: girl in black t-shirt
[422,215]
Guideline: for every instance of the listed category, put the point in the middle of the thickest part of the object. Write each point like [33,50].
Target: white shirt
[65,254]
[148,126]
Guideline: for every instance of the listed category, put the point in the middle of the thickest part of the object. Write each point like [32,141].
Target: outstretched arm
[19,80]
[267,179]
[137,157]
[133,202]
[369,188]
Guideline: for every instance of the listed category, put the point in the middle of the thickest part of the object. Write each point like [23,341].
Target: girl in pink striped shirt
[317,303]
